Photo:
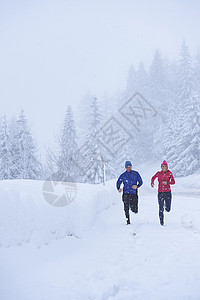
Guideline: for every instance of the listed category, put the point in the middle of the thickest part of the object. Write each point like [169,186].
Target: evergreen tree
[51,167]
[196,73]
[66,163]
[184,155]
[83,118]
[94,174]
[5,151]
[189,158]
[158,84]
[142,81]
[131,88]
[24,152]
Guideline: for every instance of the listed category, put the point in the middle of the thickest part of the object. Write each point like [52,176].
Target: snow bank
[192,221]
[189,184]
[25,215]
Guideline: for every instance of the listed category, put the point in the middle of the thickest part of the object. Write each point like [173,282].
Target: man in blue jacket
[132,181]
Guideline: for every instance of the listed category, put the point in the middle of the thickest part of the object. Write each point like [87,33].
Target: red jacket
[164,176]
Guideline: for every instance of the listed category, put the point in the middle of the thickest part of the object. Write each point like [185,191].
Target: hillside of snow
[26,216]
[85,251]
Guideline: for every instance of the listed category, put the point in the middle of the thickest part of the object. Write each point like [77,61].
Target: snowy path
[109,263]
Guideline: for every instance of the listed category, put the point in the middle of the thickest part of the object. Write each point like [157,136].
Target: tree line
[172,87]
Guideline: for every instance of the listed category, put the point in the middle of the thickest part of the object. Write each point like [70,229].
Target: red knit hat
[164,163]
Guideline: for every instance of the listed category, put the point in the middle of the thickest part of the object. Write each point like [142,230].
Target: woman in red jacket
[165,179]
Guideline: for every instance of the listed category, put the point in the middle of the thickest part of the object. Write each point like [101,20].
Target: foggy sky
[52,52]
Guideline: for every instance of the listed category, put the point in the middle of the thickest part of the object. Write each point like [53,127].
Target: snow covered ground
[85,251]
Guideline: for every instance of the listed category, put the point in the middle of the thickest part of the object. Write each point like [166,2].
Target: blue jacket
[129,179]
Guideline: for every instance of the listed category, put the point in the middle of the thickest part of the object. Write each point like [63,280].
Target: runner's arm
[139,179]
[119,182]
[171,179]
[153,178]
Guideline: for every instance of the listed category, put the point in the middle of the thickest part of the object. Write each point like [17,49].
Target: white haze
[52,52]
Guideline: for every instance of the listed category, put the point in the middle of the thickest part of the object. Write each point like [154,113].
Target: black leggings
[164,198]
[130,201]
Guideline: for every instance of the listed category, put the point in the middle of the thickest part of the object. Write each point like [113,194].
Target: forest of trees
[78,153]
[18,151]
